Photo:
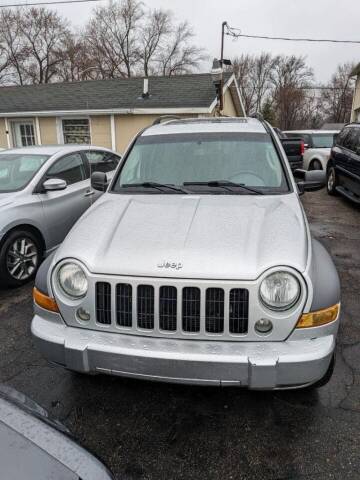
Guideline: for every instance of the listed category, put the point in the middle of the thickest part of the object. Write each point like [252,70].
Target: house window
[76,130]
[23,133]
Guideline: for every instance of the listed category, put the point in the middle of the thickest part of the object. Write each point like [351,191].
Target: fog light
[263,325]
[83,314]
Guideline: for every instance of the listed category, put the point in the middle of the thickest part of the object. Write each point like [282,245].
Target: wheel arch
[29,228]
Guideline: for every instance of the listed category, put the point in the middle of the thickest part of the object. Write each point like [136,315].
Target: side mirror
[99,181]
[310,181]
[54,184]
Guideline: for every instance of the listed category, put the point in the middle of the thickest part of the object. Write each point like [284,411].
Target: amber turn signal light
[318,318]
[44,301]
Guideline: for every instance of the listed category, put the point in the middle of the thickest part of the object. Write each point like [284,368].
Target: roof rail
[163,118]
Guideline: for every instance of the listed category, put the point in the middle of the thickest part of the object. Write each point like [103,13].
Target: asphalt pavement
[145,430]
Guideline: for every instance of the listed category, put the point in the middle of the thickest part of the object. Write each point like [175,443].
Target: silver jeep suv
[196,266]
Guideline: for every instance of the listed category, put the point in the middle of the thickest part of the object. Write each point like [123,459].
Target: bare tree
[254,75]
[337,98]
[290,77]
[76,62]
[156,28]
[180,56]
[44,33]
[243,66]
[112,36]
[12,47]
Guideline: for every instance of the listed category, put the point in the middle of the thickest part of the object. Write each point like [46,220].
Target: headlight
[72,280]
[280,291]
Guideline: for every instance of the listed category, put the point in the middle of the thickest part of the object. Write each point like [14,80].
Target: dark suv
[343,169]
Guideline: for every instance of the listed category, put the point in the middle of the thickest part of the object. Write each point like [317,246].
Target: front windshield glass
[16,170]
[323,140]
[249,159]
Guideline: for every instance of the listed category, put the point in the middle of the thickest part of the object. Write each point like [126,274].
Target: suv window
[177,159]
[101,161]
[340,139]
[350,139]
[69,168]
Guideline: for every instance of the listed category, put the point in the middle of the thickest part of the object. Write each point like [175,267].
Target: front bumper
[257,365]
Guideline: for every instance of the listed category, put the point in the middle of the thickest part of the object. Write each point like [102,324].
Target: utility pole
[223,25]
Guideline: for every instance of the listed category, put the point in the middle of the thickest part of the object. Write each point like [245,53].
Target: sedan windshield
[16,170]
[322,140]
[202,162]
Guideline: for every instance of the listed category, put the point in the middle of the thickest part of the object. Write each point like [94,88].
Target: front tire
[20,257]
[332,181]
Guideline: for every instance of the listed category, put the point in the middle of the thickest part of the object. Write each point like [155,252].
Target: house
[355,111]
[107,113]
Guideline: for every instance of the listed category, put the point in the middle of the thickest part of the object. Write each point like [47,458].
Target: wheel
[20,257]
[332,181]
[315,165]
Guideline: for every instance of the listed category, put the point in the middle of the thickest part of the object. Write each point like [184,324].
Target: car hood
[208,236]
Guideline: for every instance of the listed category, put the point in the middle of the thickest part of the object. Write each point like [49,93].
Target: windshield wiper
[157,186]
[225,184]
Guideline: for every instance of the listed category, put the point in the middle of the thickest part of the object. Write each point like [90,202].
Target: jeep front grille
[239,310]
[124,304]
[168,308]
[103,303]
[174,309]
[191,309]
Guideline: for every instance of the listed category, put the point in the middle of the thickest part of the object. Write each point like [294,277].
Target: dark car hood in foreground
[208,236]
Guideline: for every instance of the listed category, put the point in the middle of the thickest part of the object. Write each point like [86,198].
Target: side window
[69,168]
[341,137]
[350,139]
[357,140]
[101,161]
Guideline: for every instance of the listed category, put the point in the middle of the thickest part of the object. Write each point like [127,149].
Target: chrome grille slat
[168,308]
[145,306]
[124,304]
[103,303]
[214,310]
[239,310]
[191,309]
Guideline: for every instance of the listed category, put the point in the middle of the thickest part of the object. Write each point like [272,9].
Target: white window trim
[24,120]
[59,126]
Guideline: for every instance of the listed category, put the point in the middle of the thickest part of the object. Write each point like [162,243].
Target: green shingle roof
[185,91]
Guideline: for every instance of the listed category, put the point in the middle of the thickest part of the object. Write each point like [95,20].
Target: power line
[56,2]
[232,32]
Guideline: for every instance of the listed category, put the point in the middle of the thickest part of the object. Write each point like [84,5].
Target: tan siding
[3,139]
[356,102]
[229,107]
[127,126]
[48,130]
[101,131]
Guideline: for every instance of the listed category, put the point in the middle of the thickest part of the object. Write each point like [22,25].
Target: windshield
[16,170]
[248,159]
[323,140]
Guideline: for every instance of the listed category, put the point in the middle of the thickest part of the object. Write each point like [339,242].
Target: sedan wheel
[22,258]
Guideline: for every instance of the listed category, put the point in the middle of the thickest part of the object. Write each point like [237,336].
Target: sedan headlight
[280,291]
[72,280]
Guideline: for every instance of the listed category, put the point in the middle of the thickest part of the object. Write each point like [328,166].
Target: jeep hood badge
[173,265]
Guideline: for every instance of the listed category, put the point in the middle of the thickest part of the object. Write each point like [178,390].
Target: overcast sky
[309,18]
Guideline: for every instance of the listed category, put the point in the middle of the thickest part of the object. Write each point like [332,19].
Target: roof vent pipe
[145,93]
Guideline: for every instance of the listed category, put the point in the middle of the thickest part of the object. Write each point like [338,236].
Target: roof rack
[164,118]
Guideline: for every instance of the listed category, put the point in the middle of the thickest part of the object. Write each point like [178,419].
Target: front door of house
[23,133]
